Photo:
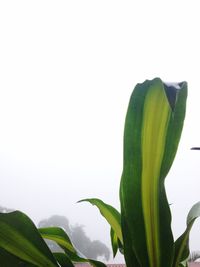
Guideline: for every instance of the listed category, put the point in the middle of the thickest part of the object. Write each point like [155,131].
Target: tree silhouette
[56,220]
[96,249]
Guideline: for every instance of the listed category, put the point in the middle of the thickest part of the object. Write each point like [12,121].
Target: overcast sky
[67,69]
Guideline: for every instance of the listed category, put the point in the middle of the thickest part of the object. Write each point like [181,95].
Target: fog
[67,69]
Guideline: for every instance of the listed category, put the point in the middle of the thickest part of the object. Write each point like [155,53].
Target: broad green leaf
[153,127]
[112,216]
[20,237]
[59,236]
[182,243]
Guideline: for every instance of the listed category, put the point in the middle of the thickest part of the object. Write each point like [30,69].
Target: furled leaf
[182,243]
[153,127]
[20,237]
[112,216]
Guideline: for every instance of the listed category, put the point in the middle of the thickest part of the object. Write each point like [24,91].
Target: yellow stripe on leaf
[154,130]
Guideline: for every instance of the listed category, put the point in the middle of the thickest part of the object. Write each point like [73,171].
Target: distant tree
[80,240]
[96,249]
[90,249]
[56,220]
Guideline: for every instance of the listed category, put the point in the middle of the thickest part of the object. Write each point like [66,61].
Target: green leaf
[77,258]
[194,213]
[58,235]
[95,263]
[181,248]
[112,216]
[129,253]
[20,237]
[63,260]
[114,241]
[7,260]
[153,127]
[182,243]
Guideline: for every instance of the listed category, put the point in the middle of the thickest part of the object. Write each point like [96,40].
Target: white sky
[67,69]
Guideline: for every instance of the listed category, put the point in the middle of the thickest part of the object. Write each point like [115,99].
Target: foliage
[142,231]
[22,244]
[90,249]
[153,127]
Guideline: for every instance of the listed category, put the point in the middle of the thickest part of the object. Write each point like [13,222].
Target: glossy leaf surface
[20,237]
[59,236]
[153,127]
[112,216]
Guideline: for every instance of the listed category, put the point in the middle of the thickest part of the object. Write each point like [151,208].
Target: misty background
[67,69]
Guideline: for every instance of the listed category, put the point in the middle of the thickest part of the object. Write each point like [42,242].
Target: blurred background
[67,69]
